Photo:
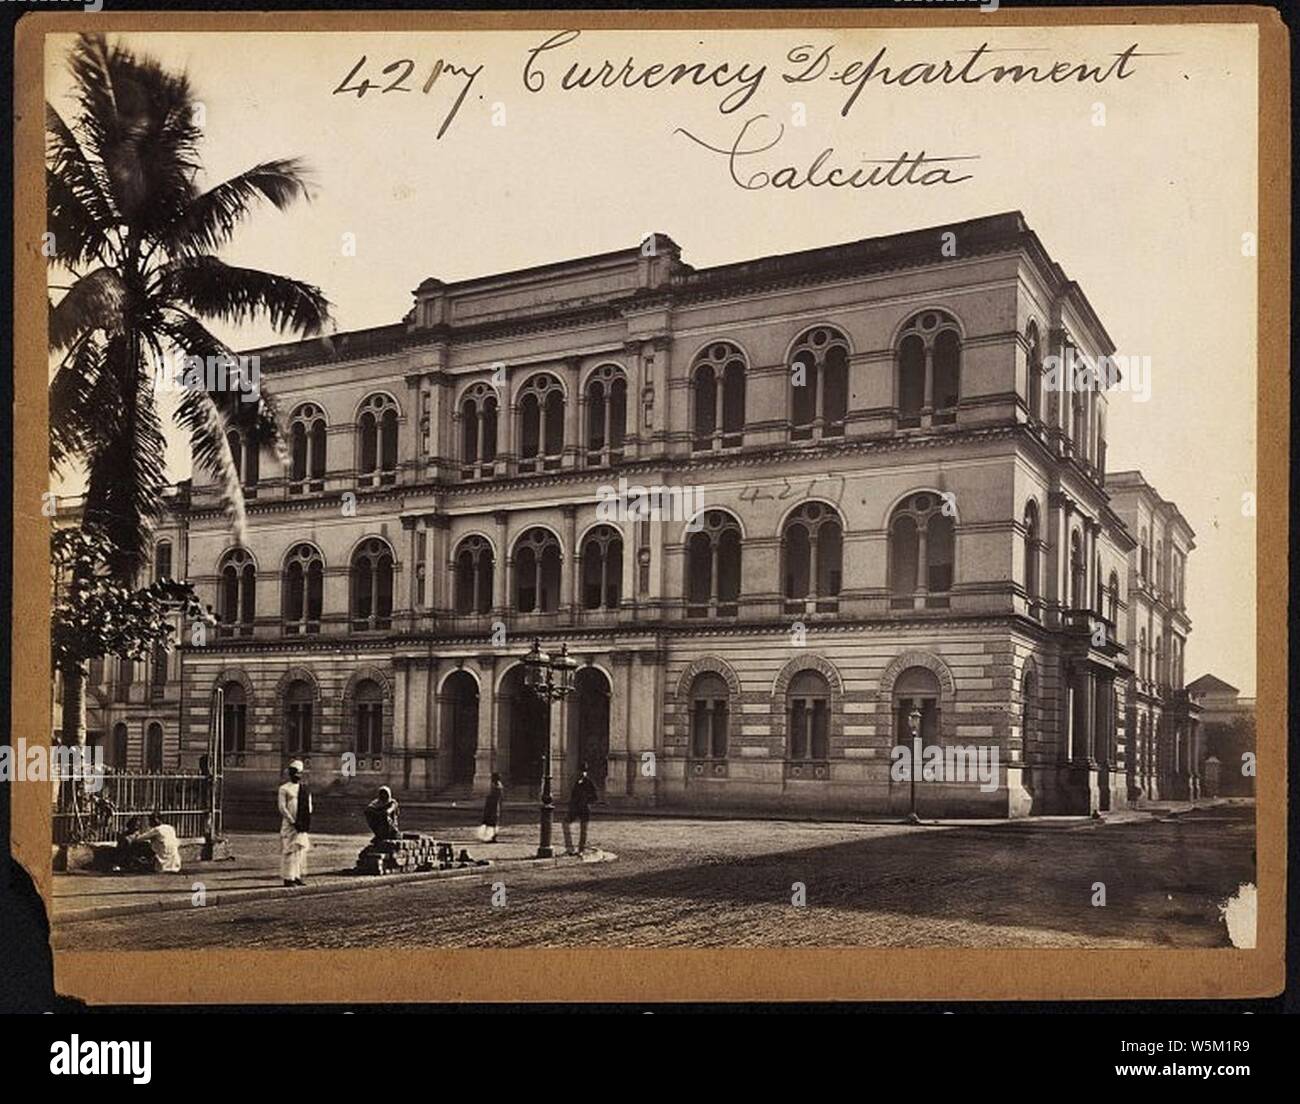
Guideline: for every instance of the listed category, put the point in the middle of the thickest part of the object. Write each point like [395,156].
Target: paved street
[729,883]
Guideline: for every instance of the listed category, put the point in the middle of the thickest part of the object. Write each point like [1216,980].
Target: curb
[314,889]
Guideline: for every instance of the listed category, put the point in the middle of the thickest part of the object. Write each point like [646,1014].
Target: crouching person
[163,848]
[381,816]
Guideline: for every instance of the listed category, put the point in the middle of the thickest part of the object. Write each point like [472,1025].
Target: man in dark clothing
[492,810]
[580,802]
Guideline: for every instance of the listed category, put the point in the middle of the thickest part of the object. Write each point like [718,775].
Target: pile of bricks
[411,852]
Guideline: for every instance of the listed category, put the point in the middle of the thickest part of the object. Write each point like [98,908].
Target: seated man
[381,816]
[161,840]
[133,856]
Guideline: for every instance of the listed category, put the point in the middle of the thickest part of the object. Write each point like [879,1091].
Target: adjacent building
[872,506]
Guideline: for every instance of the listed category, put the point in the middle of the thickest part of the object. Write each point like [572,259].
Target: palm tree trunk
[73,733]
[73,730]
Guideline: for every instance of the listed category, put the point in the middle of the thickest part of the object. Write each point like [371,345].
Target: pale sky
[1146,211]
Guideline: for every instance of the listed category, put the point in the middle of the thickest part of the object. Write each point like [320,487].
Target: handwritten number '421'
[406,65]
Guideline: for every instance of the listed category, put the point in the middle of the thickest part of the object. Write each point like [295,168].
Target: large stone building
[901,516]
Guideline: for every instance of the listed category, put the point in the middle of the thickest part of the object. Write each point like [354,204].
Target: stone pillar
[437,574]
[569,584]
[622,761]
[417,724]
[659,374]
[572,414]
[501,566]
[399,772]
[506,415]
[486,754]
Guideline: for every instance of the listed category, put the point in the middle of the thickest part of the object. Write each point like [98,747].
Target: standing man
[492,810]
[294,800]
[580,802]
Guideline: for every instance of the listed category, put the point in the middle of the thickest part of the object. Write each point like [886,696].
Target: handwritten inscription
[399,73]
[905,169]
[554,67]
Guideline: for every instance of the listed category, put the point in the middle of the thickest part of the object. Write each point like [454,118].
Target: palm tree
[139,236]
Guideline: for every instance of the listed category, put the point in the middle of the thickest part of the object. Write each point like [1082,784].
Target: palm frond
[81,209]
[255,410]
[94,302]
[76,393]
[213,289]
[209,221]
[127,464]
[199,413]
[139,119]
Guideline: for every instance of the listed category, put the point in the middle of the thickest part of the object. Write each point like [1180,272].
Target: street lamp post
[551,679]
[914,721]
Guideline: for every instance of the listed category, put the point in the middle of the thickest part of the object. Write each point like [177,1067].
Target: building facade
[873,506]
[1163,716]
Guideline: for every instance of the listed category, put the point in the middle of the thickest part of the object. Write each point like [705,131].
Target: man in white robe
[162,841]
[293,843]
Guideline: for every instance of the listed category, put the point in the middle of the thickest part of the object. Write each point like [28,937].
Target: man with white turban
[294,800]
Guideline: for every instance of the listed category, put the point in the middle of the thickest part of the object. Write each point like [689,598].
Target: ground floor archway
[589,726]
[460,702]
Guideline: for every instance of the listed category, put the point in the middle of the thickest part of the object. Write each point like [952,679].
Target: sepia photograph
[727,484]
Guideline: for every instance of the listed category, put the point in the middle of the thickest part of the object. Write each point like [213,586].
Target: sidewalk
[253,873]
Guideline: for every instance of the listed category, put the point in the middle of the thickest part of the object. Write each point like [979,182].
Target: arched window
[1034,379]
[1144,671]
[602,569]
[158,671]
[921,552]
[1099,602]
[478,432]
[606,415]
[303,590]
[1101,446]
[1078,394]
[808,712]
[307,449]
[812,547]
[121,746]
[718,394]
[709,717]
[237,596]
[916,700]
[369,718]
[819,384]
[1032,583]
[1112,599]
[475,566]
[377,430]
[162,560]
[713,567]
[153,748]
[1161,675]
[125,677]
[1029,717]
[372,586]
[929,370]
[1144,565]
[537,572]
[247,458]
[298,701]
[1160,566]
[1078,573]
[541,423]
[234,714]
